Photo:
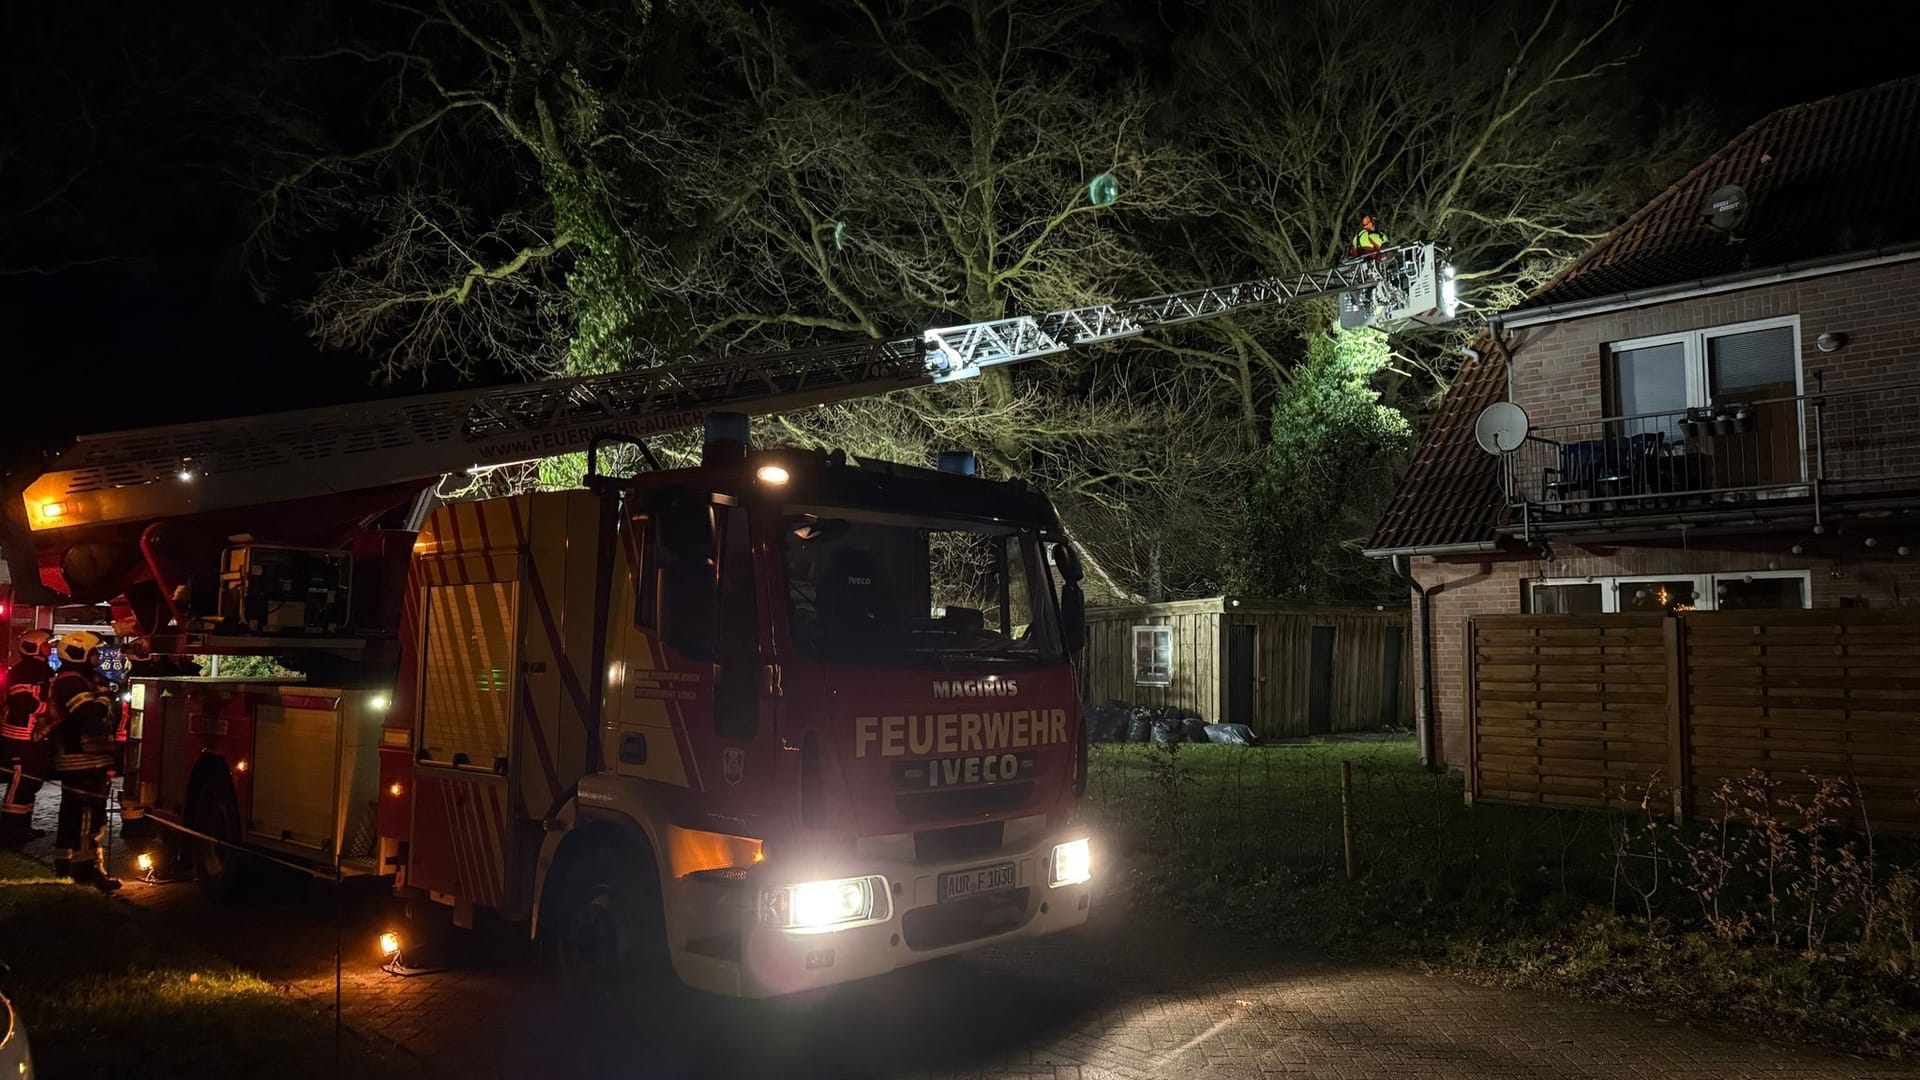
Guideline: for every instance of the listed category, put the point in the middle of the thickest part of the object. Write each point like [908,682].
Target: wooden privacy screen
[1603,710]
[1566,710]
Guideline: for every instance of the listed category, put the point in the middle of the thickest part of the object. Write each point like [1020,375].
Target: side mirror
[1073,617]
[1067,563]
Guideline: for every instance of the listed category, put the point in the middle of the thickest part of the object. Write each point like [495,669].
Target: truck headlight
[825,905]
[1072,864]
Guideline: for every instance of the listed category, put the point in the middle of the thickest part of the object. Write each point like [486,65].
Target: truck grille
[940,804]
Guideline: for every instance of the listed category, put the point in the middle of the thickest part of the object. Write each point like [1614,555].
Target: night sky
[176,335]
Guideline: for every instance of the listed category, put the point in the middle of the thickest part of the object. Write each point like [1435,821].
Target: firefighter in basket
[23,757]
[1369,242]
[81,703]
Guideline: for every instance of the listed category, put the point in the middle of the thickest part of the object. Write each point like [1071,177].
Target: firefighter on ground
[81,705]
[23,758]
[1368,242]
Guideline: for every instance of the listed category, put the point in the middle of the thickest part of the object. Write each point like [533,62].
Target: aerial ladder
[77,528]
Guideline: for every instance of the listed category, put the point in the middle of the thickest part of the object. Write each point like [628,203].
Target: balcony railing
[1797,451]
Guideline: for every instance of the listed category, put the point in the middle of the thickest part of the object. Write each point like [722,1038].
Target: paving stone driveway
[1128,996]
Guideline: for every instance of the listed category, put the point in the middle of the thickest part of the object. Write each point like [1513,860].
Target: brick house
[1721,406]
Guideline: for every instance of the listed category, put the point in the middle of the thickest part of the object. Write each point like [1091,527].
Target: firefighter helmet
[80,647]
[35,644]
[1366,222]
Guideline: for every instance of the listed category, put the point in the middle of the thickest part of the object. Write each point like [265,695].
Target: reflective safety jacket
[83,712]
[26,690]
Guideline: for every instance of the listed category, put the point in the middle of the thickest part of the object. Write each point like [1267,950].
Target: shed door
[1320,683]
[1241,665]
[1390,676]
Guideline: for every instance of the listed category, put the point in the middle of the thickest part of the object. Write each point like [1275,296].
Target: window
[1655,593]
[639,538]
[1153,656]
[1740,592]
[689,578]
[1574,599]
[1651,379]
[1752,364]
[736,704]
[1673,372]
[1715,368]
[885,588]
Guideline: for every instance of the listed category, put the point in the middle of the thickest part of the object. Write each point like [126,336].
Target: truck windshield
[886,588]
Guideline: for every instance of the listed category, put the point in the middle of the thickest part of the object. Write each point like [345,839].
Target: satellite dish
[1726,208]
[1501,427]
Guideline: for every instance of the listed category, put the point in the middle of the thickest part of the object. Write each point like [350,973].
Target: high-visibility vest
[1368,240]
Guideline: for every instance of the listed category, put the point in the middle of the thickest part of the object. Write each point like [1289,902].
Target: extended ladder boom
[160,472]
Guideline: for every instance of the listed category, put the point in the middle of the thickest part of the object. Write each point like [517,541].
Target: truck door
[744,729]
[690,714]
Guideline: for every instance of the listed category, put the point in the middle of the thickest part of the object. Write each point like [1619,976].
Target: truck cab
[863,668]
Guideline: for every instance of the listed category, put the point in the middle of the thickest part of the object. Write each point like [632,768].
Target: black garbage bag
[1107,722]
[1232,735]
[1168,731]
[1195,729]
[1139,727]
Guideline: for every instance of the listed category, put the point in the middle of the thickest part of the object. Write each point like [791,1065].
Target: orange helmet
[1366,222]
[35,644]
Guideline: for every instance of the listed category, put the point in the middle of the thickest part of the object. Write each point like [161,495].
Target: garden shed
[1284,671]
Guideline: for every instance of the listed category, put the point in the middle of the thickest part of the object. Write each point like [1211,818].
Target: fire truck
[778,720]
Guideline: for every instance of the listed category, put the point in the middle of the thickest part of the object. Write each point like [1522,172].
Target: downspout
[1423,717]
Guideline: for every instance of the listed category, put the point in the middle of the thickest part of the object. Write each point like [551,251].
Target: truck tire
[609,933]
[221,871]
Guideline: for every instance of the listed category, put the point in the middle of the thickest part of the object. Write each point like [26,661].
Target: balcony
[1769,461]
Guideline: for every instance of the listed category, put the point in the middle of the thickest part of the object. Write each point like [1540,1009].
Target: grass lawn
[103,994]
[1251,839]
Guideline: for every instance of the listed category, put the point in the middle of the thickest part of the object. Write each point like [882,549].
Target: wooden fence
[1608,710]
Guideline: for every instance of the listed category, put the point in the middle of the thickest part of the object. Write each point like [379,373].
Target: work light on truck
[1072,864]
[825,905]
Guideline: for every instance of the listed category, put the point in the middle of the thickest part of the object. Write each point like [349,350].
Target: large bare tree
[554,186]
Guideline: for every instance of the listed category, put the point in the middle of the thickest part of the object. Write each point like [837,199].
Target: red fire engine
[778,720]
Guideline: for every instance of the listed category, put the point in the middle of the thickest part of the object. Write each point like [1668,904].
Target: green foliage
[1330,469]
[252,667]
[1760,915]
[563,472]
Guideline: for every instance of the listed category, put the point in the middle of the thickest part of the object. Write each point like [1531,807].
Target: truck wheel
[221,871]
[609,932]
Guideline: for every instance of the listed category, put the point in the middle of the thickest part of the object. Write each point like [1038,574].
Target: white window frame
[1706,587]
[1694,355]
[1161,634]
[1805,578]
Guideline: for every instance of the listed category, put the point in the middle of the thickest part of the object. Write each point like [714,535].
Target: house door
[1241,666]
[1390,672]
[1320,683]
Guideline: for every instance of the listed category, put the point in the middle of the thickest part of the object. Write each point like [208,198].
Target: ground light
[397,962]
[152,872]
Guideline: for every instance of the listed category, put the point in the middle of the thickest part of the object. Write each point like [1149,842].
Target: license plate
[984,879]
